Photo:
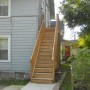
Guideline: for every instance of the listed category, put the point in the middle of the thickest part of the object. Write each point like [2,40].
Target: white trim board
[9,10]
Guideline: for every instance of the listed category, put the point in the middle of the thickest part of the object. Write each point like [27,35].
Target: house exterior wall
[40,13]
[24,7]
[22,27]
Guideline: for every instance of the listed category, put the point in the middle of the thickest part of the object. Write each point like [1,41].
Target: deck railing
[56,46]
[36,49]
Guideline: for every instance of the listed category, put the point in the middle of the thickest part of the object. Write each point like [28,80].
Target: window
[4,48]
[4,7]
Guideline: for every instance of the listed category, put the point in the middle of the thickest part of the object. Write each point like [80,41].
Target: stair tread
[43,68]
[45,64]
[43,78]
[42,73]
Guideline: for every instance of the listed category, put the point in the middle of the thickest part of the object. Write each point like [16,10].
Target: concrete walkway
[55,86]
[33,86]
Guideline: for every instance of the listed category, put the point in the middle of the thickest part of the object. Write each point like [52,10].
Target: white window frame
[9,10]
[9,45]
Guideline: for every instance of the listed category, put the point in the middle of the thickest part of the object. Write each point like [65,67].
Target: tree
[84,41]
[77,13]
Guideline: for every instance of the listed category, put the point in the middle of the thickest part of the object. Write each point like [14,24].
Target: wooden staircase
[43,72]
[42,64]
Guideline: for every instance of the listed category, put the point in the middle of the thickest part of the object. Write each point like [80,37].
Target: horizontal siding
[24,7]
[23,32]
[23,40]
[22,26]
[5,29]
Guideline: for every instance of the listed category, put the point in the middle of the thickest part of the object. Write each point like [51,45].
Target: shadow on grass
[13,82]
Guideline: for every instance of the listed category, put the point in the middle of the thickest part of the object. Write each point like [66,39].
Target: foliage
[81,69]
[77,13]
[70,59]
[13,82]
[84,41]
[74,45]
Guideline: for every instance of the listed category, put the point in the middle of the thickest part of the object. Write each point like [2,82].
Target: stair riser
[43,62]
[43,70]
[44,66]
[49,41]
[43,75]
[46,44]
[45,54]
[42,81]
[44,58]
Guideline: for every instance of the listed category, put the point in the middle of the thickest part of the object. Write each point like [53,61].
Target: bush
[70,59]
[81,69]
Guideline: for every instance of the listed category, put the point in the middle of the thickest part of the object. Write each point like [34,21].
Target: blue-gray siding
[23,32]
[22,26]
[24,7]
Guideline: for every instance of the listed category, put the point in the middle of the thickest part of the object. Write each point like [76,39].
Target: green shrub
[81,69]
[70,59]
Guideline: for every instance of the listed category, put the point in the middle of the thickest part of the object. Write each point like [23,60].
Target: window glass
[3,48]
[3,7]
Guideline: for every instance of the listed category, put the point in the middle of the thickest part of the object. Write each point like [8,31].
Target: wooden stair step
[44,62]
[45,59]
[45,54]
[48,58]
[50,30]
[48,44]
[46,47]
[45,35]
[44,65]
[43,75]
[45,50]
[42,80]
[41,70]
[46,38]
[49,33]
[42,55]
[49,41]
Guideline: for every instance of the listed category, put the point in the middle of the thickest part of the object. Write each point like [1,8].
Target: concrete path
[55,86]
[33,86]
[13,87]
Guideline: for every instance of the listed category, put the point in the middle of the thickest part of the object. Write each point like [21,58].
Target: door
[67,51]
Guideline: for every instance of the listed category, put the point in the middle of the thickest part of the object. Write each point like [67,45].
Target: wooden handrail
[56,46]
[36,49]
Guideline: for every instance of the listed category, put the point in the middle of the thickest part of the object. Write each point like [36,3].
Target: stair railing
[36,49]
[56,47]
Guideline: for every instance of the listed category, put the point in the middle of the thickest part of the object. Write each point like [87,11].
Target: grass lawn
[66,85]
